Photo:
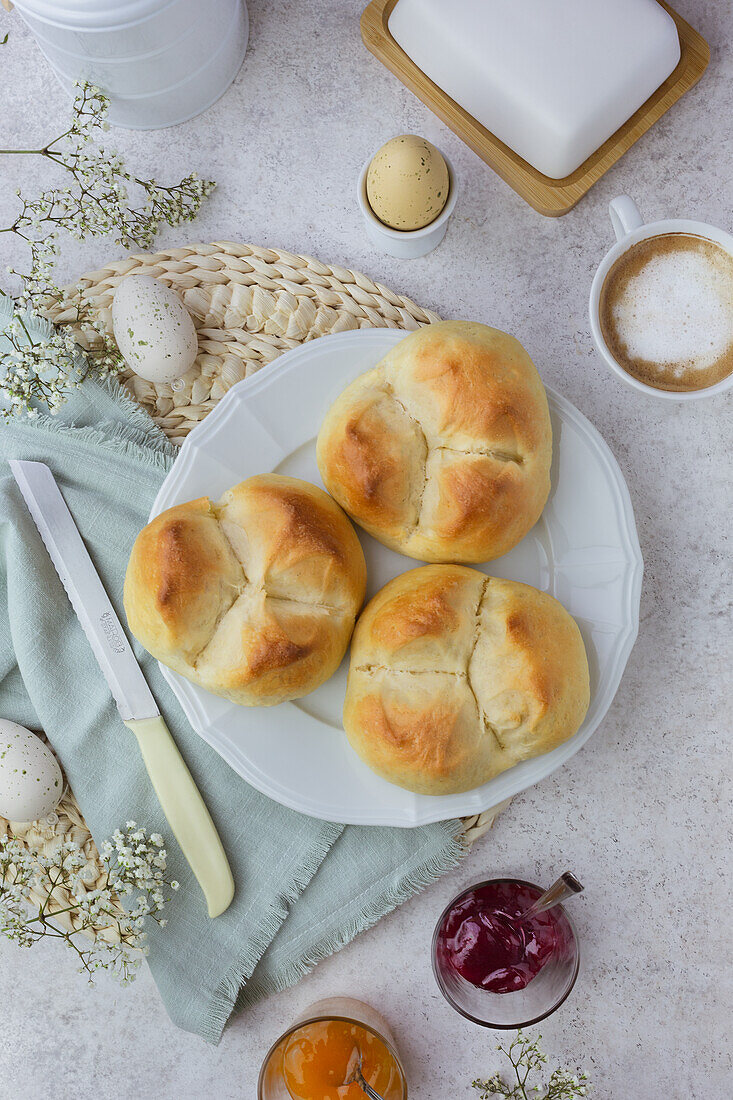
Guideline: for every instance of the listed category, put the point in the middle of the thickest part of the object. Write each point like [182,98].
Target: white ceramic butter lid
[552,79]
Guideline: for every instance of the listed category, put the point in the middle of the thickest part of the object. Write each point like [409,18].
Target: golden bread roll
[443,450]
[456,676]
[253,598]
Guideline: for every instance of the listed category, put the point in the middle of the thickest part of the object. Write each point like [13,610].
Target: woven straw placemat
[249,305]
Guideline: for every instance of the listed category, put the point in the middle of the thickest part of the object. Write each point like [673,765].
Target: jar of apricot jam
[311,1060]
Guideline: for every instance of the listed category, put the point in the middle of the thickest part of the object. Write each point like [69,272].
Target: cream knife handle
[185,812]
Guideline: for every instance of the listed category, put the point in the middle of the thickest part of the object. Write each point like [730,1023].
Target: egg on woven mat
[153,329]
[31,783]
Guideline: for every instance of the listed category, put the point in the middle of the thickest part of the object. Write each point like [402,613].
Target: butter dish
[553,79]
[550,93]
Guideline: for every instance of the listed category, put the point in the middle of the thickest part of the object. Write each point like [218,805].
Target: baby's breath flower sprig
[42,370]
[95,202]
[527,1058]
[135,870]
[36,370]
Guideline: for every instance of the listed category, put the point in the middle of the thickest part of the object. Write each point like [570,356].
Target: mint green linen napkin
[304,887]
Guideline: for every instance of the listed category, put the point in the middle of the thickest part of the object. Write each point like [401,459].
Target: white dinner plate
[584,550]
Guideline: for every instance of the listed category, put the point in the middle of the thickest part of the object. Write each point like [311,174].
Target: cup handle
[625,216]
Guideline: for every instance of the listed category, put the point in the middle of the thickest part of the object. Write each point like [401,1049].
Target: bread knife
[177,793]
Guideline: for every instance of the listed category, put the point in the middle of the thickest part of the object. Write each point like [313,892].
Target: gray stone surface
[642,814]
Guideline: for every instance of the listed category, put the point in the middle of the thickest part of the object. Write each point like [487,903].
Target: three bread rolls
[442,452]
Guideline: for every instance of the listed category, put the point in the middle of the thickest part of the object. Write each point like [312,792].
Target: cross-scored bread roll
[253,598]
[456,676]
[443,450]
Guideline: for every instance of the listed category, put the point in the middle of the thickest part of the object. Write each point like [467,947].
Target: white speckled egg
[407,183]
[153,329]
[31,783]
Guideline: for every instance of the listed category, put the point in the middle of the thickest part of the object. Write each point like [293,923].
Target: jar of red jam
[498,970]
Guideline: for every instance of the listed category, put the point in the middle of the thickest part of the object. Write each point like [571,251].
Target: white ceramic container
[160,61]
[411,243]
[630,228]
[552,79]
[583,550]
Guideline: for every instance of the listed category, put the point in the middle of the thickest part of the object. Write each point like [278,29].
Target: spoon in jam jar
[354,1076]
[565,887]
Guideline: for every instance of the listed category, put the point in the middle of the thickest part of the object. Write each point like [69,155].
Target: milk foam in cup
[661,305]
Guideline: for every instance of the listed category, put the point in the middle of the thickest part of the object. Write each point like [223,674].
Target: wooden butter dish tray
[548,196]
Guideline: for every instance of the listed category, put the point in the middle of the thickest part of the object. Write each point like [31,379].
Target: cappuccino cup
[661,305]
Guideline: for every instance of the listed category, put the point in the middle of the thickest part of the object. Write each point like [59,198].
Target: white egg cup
[406,244]
[630,228]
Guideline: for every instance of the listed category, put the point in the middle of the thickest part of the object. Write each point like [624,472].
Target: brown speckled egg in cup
[407,183]
[407,193]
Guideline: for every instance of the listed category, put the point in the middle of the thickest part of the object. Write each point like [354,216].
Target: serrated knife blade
[88,598]
[177,792]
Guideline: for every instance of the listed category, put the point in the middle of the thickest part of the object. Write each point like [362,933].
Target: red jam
[480,939]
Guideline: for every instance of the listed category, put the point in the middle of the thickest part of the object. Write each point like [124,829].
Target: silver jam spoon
[354,1076]
[565,887]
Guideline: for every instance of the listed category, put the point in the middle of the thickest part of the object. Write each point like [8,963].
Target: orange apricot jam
[317,1056]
